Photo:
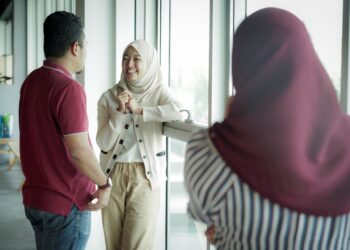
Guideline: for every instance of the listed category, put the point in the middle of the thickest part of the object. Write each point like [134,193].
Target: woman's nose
[130,63]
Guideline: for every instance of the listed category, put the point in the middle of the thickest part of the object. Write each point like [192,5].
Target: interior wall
[99,75]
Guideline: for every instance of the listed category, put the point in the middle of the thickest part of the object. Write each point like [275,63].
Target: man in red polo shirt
[58,162]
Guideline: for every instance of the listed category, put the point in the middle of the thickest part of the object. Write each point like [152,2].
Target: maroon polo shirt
[52,104]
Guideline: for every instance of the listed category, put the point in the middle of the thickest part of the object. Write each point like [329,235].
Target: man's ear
[74,48]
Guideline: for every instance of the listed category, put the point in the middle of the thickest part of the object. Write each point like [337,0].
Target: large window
[183,233]
[189,55]
[189,80]
[323,19]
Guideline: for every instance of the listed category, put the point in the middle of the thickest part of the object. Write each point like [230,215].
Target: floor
[15,231]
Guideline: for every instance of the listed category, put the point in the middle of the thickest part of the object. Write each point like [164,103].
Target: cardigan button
[136,125]
[114,157]
[140,140]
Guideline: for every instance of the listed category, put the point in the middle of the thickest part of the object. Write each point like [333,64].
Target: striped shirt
[243,218]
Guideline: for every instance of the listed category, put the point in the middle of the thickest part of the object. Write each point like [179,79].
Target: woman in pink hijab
[275,174]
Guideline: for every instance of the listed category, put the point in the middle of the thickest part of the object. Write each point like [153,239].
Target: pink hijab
[285,134]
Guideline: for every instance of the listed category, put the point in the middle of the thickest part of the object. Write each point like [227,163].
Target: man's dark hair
[61,29]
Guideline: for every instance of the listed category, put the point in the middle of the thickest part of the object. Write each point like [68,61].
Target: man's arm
[85,160]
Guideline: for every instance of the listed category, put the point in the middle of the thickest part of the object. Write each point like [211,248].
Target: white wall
[99,76]
[125,29]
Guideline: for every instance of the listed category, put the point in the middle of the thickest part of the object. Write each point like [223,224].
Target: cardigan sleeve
[110,124]
[167,110]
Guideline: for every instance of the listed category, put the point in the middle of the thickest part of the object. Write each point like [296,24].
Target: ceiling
[5,9]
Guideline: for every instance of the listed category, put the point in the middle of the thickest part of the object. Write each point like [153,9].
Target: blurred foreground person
[275,174]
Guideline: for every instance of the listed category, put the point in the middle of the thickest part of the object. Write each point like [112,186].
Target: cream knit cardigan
[159,106]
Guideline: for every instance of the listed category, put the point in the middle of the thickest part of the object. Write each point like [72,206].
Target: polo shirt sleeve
[72,115]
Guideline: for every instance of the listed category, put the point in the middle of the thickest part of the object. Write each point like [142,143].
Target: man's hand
[84,159]
[102,196]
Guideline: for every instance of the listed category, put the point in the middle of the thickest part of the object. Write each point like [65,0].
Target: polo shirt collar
[57,67]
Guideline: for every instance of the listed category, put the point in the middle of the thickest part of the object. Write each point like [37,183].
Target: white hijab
[152,77]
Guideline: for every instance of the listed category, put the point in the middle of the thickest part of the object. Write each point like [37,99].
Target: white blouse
[130,148]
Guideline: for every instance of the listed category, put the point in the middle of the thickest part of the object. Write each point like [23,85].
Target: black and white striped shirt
[245,220]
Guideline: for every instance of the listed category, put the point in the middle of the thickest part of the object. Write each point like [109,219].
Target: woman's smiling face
[132,65]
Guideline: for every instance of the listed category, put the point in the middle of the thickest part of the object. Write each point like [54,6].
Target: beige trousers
[129,220]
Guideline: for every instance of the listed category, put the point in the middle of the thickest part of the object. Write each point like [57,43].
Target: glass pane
[189,55]
[6,51]
[183,232]
[323,19]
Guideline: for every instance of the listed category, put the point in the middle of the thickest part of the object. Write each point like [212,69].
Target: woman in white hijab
[130,117]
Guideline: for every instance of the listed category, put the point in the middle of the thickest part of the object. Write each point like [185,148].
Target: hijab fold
[285,134]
